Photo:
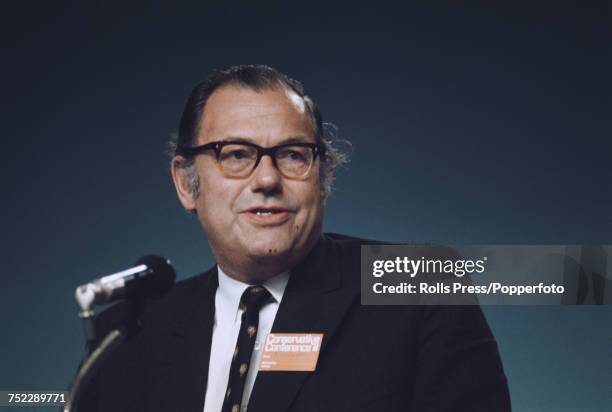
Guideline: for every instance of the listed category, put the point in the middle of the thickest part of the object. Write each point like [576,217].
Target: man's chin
[267,251]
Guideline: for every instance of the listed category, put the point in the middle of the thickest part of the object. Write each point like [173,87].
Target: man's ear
[181,184]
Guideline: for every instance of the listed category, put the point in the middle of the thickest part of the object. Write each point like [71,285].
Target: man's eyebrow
[291,139]
[295,139]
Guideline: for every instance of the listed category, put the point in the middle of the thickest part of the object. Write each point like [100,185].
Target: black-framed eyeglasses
[238,159]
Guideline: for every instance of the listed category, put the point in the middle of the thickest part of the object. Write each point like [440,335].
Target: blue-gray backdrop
[477,123]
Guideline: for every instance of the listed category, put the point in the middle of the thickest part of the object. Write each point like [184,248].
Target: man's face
[226,207]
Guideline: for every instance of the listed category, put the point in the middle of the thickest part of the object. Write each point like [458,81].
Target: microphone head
[155,282]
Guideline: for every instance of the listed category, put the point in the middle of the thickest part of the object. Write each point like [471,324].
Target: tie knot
[254,297]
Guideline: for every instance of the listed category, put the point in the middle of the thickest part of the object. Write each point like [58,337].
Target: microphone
[152,277]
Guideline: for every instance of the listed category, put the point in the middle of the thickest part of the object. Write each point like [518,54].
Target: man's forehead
[235,110]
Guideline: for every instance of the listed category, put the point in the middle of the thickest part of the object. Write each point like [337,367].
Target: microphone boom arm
[113,340]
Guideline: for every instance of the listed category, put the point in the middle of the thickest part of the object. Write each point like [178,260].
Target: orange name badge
[291,352]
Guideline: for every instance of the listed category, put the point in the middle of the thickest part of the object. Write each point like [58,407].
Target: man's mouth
[267,210]
[263,212]
[271,216]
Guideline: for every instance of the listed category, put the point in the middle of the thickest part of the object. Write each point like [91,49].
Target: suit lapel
[314,302]
[182,362]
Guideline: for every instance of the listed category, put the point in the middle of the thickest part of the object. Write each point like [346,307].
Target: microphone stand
[88,368]
[96,355]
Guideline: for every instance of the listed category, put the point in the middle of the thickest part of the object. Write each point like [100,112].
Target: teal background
[472,123]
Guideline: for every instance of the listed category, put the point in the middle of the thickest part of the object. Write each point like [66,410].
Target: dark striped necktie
[253,298]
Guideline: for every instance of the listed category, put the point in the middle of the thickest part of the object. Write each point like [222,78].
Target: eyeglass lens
[238,160]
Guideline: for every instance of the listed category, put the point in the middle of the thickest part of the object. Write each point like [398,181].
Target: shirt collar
[230,290]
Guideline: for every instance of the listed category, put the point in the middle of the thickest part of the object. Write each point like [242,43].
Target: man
[252,164]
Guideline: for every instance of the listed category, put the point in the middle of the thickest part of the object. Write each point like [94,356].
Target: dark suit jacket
[373,358]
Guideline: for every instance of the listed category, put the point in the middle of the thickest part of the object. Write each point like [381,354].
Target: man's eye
[292,155]
[237,154]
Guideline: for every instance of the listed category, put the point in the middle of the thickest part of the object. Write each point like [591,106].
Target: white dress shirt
[225,334]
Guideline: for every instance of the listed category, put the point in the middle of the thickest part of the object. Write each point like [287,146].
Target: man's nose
[266,177]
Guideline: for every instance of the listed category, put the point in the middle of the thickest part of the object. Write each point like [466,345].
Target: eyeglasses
[240,159]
